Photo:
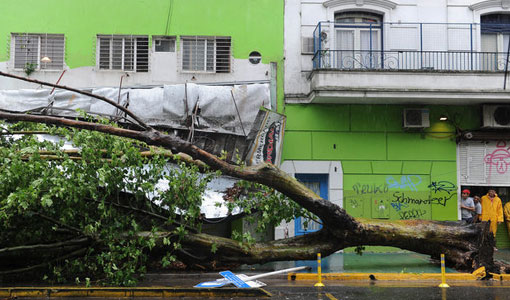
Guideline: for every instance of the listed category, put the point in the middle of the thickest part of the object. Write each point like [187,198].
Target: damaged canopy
[224,109]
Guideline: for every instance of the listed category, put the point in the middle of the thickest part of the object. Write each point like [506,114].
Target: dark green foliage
[103,203]
[43,201]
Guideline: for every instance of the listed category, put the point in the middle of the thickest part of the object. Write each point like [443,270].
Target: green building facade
[79,25]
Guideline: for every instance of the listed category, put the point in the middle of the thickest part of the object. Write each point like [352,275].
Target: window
[123,52]
[164,43]
[495,37]
[358,39]
[30,48]
[207,54]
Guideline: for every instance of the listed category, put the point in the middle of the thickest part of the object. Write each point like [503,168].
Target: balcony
[410,46]
[447,63]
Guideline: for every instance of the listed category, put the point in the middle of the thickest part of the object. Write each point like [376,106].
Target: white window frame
[171,38]
[39,65]
[207,40]
[123,54]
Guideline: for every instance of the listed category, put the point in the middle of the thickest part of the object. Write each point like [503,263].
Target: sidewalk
[388,270]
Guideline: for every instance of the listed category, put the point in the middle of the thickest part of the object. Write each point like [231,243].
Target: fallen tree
[66,216]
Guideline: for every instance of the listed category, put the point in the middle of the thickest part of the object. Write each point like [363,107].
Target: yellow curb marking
[331,297]
[382,276]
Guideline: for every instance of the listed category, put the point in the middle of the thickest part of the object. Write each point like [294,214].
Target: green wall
[253,25]
[389,172]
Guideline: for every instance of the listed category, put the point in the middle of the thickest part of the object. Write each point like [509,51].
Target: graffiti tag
[499,158]
[354,203]
[401,197]
[412,214]
[398,205]
[362,189]
[442,186]
[406,181]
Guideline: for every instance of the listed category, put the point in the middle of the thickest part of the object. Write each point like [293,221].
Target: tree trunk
[466,247]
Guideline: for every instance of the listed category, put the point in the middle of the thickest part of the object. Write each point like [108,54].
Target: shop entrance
[502,235]
[483,165]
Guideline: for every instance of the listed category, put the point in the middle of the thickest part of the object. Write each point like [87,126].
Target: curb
[391,276]
[48,292]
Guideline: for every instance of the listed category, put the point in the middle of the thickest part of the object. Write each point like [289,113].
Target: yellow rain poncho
[506,210]
[492,210]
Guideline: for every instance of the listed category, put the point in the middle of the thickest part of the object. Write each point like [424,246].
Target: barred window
[207,54]
[31,48]
[123,52]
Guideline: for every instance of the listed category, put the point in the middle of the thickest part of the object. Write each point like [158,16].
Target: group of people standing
[470,207]
[487,208]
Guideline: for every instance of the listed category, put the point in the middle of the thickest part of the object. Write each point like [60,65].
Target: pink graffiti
[499,158]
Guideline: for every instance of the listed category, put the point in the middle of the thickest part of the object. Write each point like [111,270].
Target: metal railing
[407,46]
[409,60]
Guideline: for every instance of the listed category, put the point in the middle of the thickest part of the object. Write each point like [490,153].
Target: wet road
[359,291]
[281,288]
[391,293]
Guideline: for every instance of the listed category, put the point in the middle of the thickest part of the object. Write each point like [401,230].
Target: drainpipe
[506,63]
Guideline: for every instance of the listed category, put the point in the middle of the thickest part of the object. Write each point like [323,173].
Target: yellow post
[319,273]
[443,274]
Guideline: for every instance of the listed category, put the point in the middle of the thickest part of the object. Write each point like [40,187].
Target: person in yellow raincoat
[506,211]
[492,210]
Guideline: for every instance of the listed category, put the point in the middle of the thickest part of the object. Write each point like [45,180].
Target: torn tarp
[223,109]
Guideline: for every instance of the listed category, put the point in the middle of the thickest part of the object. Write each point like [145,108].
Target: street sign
[234,279]
[241,280]
[213,284]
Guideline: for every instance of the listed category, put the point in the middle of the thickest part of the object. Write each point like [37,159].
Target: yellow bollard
[319,273]
[443,275]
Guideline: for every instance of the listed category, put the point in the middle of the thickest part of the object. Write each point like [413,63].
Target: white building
[381,37]
[397,95]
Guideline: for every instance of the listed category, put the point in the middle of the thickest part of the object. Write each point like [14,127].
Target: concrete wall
[252,26]
[301,18]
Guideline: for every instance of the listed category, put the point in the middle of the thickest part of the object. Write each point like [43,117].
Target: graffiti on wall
[498,158]
[406,181]
[405,197]
[362,189]
[442,186]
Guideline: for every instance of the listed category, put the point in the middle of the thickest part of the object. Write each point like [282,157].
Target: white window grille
[206,54]
[164,43]
[123,52]
[307,45]
[30,48]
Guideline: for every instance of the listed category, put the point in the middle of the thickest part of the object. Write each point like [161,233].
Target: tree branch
[109,101]
[265,174]
[151,214]
[57,222]
[73,242]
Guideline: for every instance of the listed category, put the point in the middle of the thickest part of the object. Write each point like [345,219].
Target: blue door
[319,184]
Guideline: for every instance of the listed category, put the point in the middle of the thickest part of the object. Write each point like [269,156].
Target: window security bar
[206,54]
[30,48]
[123,52]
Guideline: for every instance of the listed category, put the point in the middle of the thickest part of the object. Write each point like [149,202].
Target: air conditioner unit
[416,118]
[496,116]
